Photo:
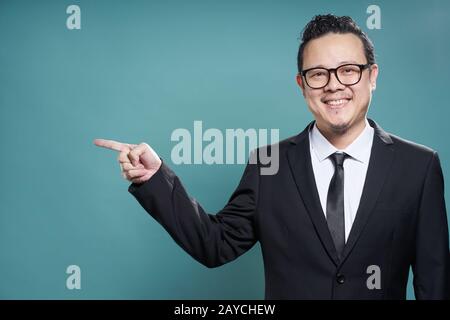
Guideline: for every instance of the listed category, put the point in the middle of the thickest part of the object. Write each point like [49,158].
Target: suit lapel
[299,158]
[380,162]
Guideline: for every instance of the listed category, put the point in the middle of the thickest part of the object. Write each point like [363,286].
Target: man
[351,207]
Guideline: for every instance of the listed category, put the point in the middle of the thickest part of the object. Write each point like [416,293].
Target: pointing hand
[138,163]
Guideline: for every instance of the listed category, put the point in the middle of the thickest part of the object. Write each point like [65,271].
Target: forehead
[333,49]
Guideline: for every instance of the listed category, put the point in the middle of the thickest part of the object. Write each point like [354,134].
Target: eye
[318,74]
[348,70]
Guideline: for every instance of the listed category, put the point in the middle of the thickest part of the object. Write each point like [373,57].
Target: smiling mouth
[336,104]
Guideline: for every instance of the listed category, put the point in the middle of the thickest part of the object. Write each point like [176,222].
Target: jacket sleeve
[213,240]
[431,266]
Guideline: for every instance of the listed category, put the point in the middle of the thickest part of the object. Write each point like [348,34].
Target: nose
[334,84]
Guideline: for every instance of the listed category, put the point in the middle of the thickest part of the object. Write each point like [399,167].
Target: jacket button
[340,278]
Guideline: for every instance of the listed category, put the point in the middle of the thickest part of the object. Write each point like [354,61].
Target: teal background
[136,71]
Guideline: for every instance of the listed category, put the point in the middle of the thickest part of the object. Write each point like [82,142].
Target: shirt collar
[359,149]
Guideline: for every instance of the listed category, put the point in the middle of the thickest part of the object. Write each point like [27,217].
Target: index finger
[111,144]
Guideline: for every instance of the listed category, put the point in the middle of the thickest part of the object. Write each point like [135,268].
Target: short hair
[323,24]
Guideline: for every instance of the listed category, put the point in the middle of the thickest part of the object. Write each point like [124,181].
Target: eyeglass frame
[362,67]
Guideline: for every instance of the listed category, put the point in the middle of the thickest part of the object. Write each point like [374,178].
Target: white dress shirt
[355,169]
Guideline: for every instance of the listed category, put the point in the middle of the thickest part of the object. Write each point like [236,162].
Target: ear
[300,83]
[373,75]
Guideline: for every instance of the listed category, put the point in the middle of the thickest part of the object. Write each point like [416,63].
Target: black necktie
[335,202]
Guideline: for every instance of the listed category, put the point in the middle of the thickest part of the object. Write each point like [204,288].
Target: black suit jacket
[401,222]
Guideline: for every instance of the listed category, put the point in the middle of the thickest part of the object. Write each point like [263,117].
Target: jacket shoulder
[412,154]
[411,147]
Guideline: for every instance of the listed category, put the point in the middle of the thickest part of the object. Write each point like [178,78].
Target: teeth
[336,102]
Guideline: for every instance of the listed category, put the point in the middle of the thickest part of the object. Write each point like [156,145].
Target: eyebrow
[339,64]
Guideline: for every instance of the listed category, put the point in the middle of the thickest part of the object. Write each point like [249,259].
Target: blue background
[136,71]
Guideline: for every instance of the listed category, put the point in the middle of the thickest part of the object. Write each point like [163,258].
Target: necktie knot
[338,158]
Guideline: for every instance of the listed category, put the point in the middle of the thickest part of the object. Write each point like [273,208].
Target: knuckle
[123,155]
[127,166]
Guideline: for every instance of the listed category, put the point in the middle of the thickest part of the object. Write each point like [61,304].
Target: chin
[340,127]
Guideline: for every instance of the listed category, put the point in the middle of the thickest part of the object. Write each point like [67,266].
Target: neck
[341,138]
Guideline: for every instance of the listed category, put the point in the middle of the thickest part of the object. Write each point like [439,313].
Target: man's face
[331,51]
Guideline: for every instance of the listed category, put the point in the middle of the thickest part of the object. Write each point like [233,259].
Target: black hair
[329,23]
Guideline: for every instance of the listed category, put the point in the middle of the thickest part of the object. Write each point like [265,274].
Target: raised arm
[211,239]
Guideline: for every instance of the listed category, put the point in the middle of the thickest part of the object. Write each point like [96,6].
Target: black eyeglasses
[347,74]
